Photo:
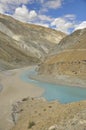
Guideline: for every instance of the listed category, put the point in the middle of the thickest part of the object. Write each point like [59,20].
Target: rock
[82,122]
[54,127]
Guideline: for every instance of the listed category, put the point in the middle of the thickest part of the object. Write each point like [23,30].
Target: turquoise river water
[64,94]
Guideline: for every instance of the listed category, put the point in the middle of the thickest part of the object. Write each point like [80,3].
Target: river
[64,94]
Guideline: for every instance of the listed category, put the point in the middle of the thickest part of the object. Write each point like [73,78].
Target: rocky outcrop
[25,44]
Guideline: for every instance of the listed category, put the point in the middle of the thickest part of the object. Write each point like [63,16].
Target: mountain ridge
[67,59]
[31,40]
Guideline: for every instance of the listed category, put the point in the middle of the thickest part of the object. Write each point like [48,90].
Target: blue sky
[64,15]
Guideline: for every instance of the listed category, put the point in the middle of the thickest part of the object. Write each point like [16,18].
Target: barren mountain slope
[68,57]
[76,40]
[25,43]
[11,55]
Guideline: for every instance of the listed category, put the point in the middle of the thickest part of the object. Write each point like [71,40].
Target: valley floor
[44,114]
[14,89]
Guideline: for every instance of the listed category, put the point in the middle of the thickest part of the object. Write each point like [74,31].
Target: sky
[63,15]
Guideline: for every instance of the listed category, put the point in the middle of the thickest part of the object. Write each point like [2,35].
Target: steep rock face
[25,42]
[68,57]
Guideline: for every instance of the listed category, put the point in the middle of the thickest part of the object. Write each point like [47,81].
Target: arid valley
[42,70]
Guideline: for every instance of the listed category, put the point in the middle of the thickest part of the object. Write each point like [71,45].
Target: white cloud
[50,4]
[17,2]
[10,5]
[64,23]
[70,16]
[23,14]
[44,18]
[32,14]
[19,10]
[53,4]
[81,25]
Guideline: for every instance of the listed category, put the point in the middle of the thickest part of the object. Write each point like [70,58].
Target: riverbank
[14,89]
[61,80]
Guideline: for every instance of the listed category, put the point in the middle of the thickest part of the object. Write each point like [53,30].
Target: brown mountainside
[68,57]
[24,44]
[74,41]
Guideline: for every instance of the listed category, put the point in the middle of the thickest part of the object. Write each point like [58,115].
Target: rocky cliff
[24,44]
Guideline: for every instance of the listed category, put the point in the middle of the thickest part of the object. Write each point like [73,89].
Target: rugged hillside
[24,44]
[36,114]
[74,41]
[11,55]
[68,57]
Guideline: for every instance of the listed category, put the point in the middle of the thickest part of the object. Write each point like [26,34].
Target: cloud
[81,25]
[23,14]
[32,14]
[17,2]
[18,9]
[64,23]
[53,4]
[70,16]
[10,5]
[67,23]
[44,18]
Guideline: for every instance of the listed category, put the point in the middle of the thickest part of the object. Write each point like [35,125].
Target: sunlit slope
[23,43]
[68,57]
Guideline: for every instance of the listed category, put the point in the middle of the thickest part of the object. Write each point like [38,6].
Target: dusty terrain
[13,90]
[38,114]
[20,112]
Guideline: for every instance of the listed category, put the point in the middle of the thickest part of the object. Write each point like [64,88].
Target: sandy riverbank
[14,89]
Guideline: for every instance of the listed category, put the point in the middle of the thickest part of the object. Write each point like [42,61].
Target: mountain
[24,44]
[67,59]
